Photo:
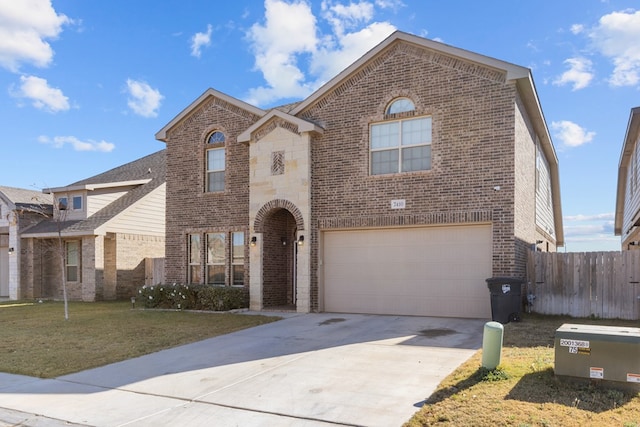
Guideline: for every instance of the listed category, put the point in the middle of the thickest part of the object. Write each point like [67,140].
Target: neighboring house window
[237,259]
[401,146]
[77,203]
[216,249]
[194,259]
[72,260]
[215,155]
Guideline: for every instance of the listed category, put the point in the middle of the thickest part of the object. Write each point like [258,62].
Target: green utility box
[607,353]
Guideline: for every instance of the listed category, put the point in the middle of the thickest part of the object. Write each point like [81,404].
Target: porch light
[300,240]
[254,240]
[11,251]
[133,302]
[284,241]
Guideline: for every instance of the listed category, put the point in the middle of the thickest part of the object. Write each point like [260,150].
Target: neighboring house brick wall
[191,209]
[132,249]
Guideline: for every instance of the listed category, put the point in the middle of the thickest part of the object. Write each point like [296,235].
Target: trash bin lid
[504,281]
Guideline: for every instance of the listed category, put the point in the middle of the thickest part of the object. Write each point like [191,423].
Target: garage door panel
[428,271]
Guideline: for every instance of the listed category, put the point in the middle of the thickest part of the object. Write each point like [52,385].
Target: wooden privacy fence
[583,284]
[153,271]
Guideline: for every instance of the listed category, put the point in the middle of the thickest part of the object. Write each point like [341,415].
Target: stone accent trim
[258,225]
[271,125]
[406,220]
[277,163]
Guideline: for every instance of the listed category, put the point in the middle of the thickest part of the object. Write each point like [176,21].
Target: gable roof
[161,135]
[149,172]
[628,147]
[521,76]
[24,199]
[303,125]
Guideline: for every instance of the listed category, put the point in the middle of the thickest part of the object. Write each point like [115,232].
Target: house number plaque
[398,204]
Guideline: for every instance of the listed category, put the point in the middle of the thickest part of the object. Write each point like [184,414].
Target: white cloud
[610,216]
[616,36]
[571,134]
[349,16]
[604,228]
[41,94]
[294,66]
[199,40]
[289,31]
[579,73]
[338,55]
[143,99]
[78,145]
[577,28]
[25,27]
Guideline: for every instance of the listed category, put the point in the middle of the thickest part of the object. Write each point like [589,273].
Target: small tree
[58,215]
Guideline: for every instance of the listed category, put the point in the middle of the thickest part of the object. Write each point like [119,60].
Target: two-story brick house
[398,187]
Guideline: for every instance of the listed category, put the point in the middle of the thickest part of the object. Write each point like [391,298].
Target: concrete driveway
[305,370]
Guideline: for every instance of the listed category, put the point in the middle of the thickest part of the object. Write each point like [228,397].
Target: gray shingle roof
[151,167]
[26,199]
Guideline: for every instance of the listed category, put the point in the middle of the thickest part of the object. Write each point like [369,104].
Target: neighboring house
[19,209]
[627,217]
[108,225]
[398,187]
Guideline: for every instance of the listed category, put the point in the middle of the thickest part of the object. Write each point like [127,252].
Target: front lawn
[37,341]
[523,390]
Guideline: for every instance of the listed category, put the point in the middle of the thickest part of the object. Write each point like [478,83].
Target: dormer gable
[276,118]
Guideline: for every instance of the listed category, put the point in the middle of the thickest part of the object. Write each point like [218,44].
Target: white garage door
[427,271]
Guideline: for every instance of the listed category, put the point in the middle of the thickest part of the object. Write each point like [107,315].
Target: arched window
[402,144]
[215,158]
[400,105]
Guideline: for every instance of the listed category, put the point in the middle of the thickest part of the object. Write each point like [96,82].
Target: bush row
[193,297]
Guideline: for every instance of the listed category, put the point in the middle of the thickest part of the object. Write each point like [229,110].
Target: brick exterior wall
[189,209]
[278,260]
[473,149]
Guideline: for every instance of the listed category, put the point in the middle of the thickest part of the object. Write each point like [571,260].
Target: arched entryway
[279,260]
[279,224]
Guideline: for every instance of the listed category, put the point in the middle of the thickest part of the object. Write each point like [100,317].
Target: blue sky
[85,85]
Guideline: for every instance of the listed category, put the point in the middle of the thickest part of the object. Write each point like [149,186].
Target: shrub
[193,297]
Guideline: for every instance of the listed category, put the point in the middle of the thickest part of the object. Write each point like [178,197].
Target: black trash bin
[506,298]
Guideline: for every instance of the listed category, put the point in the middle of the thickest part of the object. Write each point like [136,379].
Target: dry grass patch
[523,390]
[37,341]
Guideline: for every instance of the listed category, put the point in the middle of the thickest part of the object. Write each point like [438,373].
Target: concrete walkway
[305,370]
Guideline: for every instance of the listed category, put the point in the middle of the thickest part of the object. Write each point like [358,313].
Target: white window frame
[215,145]
[399,146]
[69,262]
[194,259]
[213,262]
[237,256]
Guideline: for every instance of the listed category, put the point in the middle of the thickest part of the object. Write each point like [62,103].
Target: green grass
[37,341]
[523,390]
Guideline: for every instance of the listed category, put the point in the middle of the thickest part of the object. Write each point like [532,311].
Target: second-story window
[215,158]
[403,144]
[77,203]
